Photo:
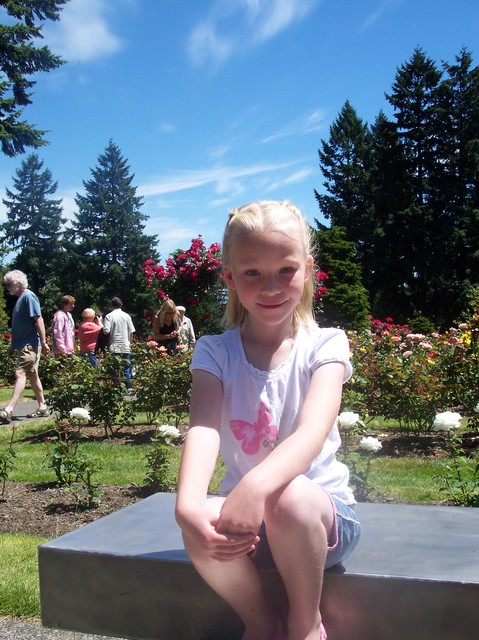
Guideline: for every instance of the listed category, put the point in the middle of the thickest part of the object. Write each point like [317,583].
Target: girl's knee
[301,503]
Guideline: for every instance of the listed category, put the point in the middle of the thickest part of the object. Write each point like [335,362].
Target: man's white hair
[16,277]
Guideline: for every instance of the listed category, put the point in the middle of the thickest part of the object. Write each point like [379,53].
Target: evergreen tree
[19,60]
[34,221]
[459,188]
[391,194]
[345,303]
[107,242]
[415,96]
[345,165]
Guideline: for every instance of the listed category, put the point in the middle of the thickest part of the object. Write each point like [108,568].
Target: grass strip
[19,583]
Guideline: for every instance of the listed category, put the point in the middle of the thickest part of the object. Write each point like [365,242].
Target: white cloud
[166,127]
[224,177]
[308,123]
[294,178]
[82,33]
[271,17]
[376,15]
[238,25]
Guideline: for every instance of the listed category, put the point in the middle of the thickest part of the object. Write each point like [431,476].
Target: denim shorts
[344,538]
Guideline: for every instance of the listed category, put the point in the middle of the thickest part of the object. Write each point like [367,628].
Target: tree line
[401,196]
[101,253]
[405,191]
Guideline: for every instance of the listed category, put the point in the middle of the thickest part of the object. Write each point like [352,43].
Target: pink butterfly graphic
[257,434]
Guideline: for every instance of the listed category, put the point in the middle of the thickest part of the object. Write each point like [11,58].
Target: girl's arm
[244,507]
[198,462]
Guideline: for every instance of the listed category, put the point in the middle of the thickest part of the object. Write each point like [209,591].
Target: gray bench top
[410,541]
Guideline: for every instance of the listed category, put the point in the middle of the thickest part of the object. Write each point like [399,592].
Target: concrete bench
[414,575]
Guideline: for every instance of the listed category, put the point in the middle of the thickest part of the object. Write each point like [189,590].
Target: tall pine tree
[415,96]
[345,164]
[107,241]
[34,222]
[19,60]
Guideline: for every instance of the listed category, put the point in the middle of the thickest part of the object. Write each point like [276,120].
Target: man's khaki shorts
[28,358]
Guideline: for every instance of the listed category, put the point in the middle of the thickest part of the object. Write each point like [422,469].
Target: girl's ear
[228,277]
[309,267]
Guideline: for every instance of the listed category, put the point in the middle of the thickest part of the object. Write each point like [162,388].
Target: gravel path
[14,629]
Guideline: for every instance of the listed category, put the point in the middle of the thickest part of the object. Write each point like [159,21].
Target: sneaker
[5,416]
[39,413]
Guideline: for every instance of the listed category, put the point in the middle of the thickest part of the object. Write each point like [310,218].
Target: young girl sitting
[266,393]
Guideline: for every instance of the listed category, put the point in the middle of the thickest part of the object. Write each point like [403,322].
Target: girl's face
[268,271]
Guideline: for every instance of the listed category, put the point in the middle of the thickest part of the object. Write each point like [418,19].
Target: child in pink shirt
[88,333]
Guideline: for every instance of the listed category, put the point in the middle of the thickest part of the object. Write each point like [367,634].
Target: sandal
[5,416]
[39,413]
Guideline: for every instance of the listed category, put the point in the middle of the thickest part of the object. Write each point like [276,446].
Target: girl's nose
[270,286]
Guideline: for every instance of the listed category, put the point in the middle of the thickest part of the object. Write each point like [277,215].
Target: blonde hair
[260,216]
[88,313]
[168,306]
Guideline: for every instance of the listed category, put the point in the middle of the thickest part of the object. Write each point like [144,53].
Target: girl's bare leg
[238,582]
[299,518]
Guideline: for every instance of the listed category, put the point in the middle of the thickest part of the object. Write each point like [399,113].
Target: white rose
[347,419]
[370,444]
[446,420]
[476,409]
[168,431]
[80,414]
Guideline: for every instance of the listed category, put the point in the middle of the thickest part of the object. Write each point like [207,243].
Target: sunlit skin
[268,273]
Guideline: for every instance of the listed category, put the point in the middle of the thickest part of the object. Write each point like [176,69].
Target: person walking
[28,344]
[118,325]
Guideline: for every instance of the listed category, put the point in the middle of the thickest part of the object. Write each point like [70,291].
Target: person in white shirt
[119,327]
[187,336]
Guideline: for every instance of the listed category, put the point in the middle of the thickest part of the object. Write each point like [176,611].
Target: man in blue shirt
[28,343]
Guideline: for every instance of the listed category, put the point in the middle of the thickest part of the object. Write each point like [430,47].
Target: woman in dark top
[166,327]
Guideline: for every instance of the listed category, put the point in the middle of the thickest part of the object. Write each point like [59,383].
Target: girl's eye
[287,270]
[252,272]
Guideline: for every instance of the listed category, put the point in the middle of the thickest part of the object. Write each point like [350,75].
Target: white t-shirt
[260,408]
[119,326]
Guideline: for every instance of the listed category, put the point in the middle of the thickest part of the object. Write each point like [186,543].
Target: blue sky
[215,103]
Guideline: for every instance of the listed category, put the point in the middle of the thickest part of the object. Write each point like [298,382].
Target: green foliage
[158,459]
[34,221]
[405,190]
[3,312]
[7,362]
[7,462]
[459,475]
[73,467]
[19,61]
[410,377]
[75,383]
[345,302]
[162,383]
[107,245]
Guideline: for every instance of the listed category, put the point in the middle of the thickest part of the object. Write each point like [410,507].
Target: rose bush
[409,377]
[191,277]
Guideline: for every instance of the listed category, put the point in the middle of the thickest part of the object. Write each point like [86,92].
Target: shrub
[162,383]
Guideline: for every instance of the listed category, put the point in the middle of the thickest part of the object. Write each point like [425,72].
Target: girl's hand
[243,510]
[202,531]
